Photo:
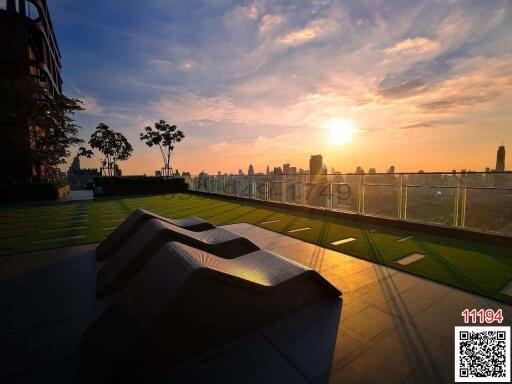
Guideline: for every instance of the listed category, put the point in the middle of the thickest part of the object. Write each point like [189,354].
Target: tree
[164,136]
[112,145]
[36,130]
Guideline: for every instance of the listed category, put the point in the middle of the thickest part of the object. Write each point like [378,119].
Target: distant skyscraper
[75,165]
[500,159]
[391,169]
[268,170]
[372,171]
[293,170]
[359,170]
[240,172]
[278,171]
[286,169]
[315,165]
[250,172]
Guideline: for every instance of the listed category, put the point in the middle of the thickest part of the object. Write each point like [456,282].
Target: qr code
[482,354]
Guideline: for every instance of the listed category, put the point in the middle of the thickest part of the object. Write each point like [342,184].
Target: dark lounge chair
[134,254]
[135,221]
[186,302]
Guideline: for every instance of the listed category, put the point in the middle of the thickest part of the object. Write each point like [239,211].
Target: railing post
[405,203]
[457,204]
[283,189]
[360,204]
[463,208]
[330,196]
[401,196]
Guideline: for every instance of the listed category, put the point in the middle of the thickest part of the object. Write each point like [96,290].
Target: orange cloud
[418,45]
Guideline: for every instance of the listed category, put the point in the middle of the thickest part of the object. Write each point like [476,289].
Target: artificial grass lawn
[475,267]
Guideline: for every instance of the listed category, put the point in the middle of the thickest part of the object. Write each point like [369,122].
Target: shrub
[134,185]
[30,191]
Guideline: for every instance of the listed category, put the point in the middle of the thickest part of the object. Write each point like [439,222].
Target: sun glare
[341,131]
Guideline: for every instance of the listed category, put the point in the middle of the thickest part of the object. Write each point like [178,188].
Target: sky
[424,84]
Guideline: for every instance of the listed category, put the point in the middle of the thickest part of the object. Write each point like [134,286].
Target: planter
[138,185]
[32,191]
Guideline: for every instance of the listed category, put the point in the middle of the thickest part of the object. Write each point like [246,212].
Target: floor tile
[254,362]
[347,375]
[307,338]
[375,364]
[413,301]
[41,346]
[370,323]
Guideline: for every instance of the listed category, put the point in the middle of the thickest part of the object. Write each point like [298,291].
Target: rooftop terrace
[389,309]
[473,266]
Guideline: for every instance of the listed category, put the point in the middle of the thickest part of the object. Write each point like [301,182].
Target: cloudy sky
[426,84]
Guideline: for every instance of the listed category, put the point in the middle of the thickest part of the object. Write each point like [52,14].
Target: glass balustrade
[476,200]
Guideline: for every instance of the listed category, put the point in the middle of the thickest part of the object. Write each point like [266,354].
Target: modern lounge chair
[136,220]
[134,254]
[186,302]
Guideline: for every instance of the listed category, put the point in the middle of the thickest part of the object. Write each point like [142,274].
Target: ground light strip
[413,257]
[270,222]
[299,229]
[406,238]
[344,241]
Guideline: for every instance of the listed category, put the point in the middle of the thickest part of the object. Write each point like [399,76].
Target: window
[31,54]
[34,71]
[32,11]
[3,4]
[17,5]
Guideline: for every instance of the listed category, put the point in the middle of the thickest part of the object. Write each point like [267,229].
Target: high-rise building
[500,159]
[286,169]
[359,170]
[278,171]
[240,172]
[391,169]
[28,47]
[75,165]
[372,171]
[268,170]
[250,172]
[315,165]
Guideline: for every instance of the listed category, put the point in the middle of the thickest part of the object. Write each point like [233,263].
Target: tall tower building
[315,165]
[500,159]
[250,172]
[28,46]
[28,49]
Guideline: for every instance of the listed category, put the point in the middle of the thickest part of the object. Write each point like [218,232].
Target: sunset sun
[341,131]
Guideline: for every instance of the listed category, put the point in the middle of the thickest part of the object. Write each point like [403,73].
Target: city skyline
[288,169]
[422,85]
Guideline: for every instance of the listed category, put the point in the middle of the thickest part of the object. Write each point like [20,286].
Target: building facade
[28,46]
[78,177]
[28,49]
[500,159]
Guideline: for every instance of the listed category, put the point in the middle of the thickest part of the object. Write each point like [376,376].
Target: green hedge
[30,191]
[138,185]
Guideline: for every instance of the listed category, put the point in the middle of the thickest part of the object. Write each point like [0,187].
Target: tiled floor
[391,327]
